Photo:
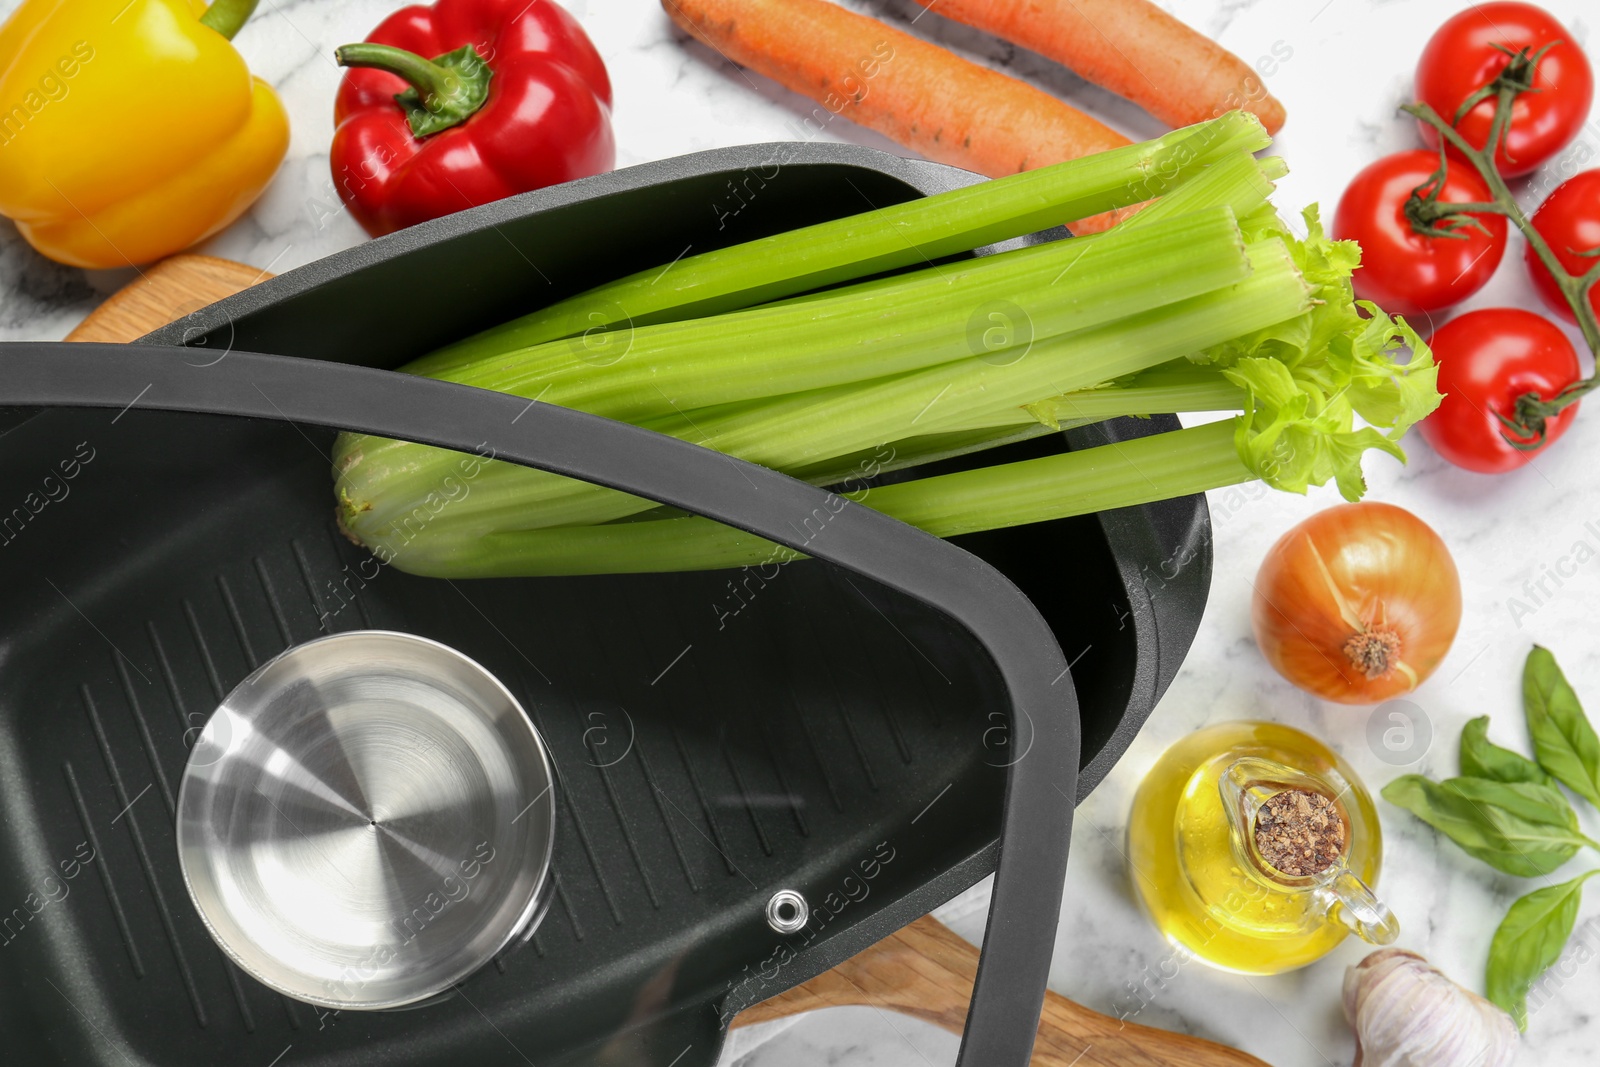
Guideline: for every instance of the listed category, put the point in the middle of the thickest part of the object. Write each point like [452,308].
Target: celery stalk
[882,239]
[808,428]
[1010,494]
[882,383]
[874,330]
[1176,386]
[1072,483]
[1237,179]
[923,448]
[1184,387]
[848,471]
[822,343]
[895,325]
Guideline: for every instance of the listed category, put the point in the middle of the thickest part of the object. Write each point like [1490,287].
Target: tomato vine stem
[1524,429]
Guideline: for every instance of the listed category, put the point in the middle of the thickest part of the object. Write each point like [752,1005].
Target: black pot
[872,728]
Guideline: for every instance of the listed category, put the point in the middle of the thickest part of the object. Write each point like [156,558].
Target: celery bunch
[1204,301]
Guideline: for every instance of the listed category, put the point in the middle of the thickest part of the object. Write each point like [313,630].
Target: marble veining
[1341,67]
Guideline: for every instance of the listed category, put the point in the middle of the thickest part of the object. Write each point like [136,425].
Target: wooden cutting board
[924,970]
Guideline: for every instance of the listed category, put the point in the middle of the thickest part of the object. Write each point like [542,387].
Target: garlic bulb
[1407,1014]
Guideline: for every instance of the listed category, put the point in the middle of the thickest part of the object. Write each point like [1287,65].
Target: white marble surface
[1350,66]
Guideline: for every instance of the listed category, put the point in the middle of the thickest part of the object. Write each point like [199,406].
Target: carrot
[1131,47]
[915,93]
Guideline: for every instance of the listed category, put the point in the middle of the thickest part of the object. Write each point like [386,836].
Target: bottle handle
[1349,900]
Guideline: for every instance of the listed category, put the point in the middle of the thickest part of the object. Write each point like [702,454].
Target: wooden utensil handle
[163,293]
[926,970]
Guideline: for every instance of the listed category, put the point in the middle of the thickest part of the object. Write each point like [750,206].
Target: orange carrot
[915,93]
[1131,47]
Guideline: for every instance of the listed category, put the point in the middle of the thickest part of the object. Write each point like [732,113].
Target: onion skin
[1372,572]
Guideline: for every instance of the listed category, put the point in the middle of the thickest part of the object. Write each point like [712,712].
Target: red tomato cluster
[1487,359]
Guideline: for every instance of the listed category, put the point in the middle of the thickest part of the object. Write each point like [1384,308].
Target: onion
[1357,604]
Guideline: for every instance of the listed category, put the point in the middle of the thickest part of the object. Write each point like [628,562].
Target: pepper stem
[227,17]
[445,91]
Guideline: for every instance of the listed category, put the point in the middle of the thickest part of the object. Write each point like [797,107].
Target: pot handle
[1008,993]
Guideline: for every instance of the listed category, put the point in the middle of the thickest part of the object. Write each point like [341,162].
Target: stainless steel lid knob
[367,820]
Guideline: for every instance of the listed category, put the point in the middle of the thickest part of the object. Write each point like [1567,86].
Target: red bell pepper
[514,97]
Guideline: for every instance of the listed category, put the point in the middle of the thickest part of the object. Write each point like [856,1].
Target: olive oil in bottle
[1252,846]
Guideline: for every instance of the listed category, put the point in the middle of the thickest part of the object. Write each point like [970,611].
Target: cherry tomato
[1461,57]
[1570,223]
[1486,360]
[1402,271]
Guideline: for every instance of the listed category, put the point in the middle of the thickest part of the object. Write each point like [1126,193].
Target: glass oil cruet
[1198,864]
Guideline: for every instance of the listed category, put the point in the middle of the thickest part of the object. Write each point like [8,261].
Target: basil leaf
[1563,740]
[1529,941]
[1531,801]
[1521,828]
[1482,758]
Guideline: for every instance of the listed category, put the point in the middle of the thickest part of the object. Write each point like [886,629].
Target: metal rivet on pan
[788,912]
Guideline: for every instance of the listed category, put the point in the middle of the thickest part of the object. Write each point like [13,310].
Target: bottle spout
[1250,781]
[1355,905]
[1246,784]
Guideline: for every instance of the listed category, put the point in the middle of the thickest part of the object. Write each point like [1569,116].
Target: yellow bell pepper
[130,130]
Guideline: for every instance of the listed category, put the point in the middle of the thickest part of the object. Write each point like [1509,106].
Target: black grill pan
[855,729]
